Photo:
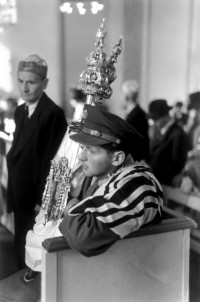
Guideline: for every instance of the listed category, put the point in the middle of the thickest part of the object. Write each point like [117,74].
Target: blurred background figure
[77,101]
[7,109]
[189,178]
[192,126]
[7,128]
[168,143]
[135,115]
[177,112]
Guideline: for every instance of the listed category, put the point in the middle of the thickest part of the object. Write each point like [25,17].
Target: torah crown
[101,71]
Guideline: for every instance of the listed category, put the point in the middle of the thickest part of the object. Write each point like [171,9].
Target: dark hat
[194,101]
[101,127]
[158,108]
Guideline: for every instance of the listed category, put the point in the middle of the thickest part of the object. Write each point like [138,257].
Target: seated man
[127,194]
[117,197]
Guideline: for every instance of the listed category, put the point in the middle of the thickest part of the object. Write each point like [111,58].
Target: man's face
[96,161]
[30,86]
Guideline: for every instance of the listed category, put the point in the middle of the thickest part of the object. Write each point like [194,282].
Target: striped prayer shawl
[127,200]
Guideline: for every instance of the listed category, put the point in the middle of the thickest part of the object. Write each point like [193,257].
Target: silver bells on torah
[101,71]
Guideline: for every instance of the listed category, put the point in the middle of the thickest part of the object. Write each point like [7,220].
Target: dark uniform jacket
[34,146]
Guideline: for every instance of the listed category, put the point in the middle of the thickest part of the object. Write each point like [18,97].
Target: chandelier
[8,13]
[81,6]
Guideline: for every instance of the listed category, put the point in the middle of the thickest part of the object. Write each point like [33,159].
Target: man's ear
[118,158]
[45,83]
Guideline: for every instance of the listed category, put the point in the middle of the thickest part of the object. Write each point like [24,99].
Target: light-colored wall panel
[168,49]
[194,48]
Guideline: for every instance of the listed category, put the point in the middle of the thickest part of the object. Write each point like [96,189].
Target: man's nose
[82,156]
[24,87]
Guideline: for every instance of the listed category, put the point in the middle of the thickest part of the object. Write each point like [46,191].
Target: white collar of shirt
[31,108]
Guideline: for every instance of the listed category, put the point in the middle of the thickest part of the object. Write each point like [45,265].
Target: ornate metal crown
[101,71]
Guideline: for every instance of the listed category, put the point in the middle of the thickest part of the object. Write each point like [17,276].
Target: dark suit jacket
[137,118]
[33,148]
[168,155]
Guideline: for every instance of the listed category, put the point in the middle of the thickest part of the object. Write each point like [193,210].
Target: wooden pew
[150,265]
[189,205]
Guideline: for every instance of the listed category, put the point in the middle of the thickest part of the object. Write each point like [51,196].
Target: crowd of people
[171,134]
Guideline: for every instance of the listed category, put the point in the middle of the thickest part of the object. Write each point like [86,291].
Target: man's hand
[37,209]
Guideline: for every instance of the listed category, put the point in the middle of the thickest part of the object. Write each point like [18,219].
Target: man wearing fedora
[169,143]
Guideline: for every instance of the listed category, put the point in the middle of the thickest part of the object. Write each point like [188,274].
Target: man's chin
[87,173]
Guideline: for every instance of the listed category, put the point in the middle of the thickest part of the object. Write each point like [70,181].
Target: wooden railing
[171,221]
[156,256]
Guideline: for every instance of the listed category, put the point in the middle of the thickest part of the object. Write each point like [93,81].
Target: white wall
[194,49]
[161,45]
[168,49]
[162,48]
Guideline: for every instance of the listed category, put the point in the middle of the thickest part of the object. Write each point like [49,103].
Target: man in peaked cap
[119,194]
[40,127]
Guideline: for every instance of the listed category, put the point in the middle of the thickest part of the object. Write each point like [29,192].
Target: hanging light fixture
[8,13]
[81,6]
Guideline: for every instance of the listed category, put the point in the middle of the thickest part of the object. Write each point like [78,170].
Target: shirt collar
[31,108]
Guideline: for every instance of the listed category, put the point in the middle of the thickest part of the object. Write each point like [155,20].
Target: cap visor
[87,139]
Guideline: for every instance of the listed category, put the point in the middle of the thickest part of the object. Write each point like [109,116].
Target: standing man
[135,115]
[40,127]
[169,143]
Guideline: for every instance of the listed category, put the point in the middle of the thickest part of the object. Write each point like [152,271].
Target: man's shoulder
[50,105]
[48,101]
[138,111]
[132,169]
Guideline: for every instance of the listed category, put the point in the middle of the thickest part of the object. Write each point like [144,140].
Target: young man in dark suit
[40,127]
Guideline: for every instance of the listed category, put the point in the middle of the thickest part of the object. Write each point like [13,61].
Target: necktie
[92,189]
[26,112]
